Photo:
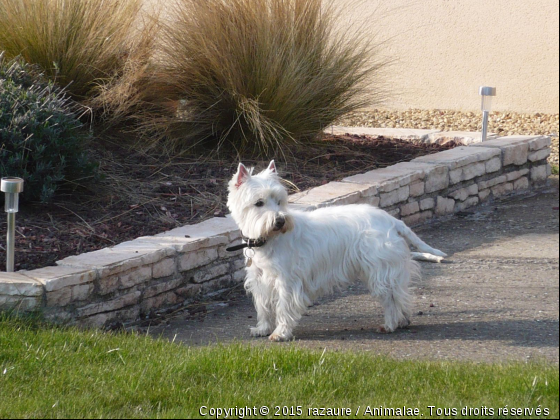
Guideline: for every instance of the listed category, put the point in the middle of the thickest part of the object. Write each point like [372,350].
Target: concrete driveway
[495,299]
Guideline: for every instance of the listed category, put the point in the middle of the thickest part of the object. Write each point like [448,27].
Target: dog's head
[259,203]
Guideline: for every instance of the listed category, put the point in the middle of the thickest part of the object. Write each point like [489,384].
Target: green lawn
[49,372]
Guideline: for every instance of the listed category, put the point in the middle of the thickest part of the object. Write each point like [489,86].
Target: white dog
[293,256]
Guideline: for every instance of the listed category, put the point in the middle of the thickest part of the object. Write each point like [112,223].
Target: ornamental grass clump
[78,43]
[257,74]
[41,137]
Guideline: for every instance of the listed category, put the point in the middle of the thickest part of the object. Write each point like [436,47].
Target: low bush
[41,137]
[257,74]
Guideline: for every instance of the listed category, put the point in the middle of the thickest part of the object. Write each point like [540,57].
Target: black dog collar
[250,243]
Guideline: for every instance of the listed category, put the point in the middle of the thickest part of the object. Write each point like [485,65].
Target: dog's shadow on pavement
[353,316]
[522,333]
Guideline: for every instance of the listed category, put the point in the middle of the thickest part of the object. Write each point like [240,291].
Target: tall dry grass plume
[258,74]
[78,43]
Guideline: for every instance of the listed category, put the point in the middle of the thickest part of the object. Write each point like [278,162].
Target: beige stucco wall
[443,50]
[446,49]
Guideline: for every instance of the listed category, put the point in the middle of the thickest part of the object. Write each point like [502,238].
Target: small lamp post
[487,93]
[11,187]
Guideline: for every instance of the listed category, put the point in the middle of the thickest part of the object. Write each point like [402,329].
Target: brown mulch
[141,195]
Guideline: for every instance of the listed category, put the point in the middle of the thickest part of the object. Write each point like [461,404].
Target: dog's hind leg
[390,284]
[397,307]
[388,271]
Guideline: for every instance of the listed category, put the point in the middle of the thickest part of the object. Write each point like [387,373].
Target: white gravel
[502,123]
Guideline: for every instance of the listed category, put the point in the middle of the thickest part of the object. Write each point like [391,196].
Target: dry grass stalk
[257,74]
[118,98]
[77,43]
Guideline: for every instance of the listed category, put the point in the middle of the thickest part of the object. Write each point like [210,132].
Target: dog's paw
[279,338]
[383,330]
[404,323]
[260,331]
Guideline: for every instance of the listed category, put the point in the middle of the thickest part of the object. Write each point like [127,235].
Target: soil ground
[495,299]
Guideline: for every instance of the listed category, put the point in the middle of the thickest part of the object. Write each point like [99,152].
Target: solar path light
[487,93]
[11,187]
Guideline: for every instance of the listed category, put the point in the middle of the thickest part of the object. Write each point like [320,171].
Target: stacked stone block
[169,270]
[129,281]
[443,183]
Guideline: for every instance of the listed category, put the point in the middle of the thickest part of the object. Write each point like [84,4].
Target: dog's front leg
[262,298]
[290,307]
[262,293]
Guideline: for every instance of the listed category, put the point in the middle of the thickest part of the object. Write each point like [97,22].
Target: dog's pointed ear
[272,167]
[242,175]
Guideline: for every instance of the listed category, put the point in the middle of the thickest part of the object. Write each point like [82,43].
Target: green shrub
[41,138]
[79,44]
[257,73]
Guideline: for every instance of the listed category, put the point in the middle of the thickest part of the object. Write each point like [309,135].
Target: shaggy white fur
[309,254]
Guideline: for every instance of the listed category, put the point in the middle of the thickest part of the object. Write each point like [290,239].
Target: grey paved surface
[496,298]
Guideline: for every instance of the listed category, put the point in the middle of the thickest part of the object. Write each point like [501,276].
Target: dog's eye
[259,203]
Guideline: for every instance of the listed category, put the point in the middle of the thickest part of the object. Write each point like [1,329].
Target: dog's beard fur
[308,254]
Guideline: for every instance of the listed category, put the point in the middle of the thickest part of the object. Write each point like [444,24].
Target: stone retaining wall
[129,280]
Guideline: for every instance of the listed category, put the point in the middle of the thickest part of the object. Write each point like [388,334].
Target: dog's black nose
[279,223]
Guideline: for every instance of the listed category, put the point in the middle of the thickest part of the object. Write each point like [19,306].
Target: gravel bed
[502,123]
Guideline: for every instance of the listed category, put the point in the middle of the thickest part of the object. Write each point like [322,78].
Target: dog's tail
[425,251]
[423,256]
